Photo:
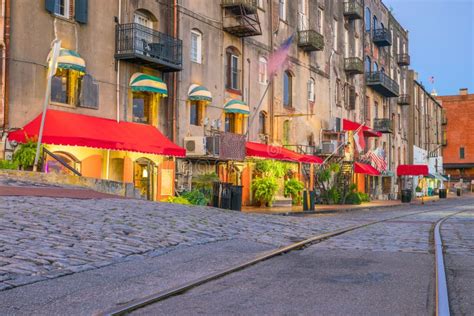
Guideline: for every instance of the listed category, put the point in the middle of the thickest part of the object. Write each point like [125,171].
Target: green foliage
[364,197]
[203,183]
[353,198]
[293,188]
[195,197]
[25,155]
[333,195]
[273,168]
[265,190]
[177,200]
[418,189]
[7,164]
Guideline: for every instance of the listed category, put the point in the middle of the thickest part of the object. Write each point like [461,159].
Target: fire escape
[241,17]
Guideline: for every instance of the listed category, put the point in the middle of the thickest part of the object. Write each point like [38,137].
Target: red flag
[359,140]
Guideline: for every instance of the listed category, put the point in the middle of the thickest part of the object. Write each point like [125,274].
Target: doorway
[144,177]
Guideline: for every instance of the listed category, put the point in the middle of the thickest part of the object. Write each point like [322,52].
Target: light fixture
[145,173]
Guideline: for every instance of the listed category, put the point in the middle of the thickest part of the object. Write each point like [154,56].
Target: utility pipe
[175,75]
[119,20]
[6,65]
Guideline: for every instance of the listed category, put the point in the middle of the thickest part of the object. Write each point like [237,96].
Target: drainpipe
[119,20]
[175,76]
[6,65]
[330,88]
[272,90]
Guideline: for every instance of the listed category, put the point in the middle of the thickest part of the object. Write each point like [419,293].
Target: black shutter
[81,11]
[89,97]
[49,5]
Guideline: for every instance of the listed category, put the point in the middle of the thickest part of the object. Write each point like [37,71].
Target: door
[143,177]
[143,33]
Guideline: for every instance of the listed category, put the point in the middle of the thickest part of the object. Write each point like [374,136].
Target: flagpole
[247,134]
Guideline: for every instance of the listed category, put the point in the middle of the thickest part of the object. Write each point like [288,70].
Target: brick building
[458,149]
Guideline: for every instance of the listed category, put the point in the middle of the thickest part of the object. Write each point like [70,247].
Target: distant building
[458,145]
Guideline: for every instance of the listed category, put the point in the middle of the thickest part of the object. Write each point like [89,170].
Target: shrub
[195,197]
[293,188]
[177,200]
[364,197]
[25,155]
[418,189]
[353,198]
[265,190]
[334,195]
[203,183]
[7,164]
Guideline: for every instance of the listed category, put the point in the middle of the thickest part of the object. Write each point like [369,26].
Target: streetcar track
[181,289]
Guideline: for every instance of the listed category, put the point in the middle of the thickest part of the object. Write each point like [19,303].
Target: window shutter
[49,5]
[89,97]
[81,11]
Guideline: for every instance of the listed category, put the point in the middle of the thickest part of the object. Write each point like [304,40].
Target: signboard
[166,182]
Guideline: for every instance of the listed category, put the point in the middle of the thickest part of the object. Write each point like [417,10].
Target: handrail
[62,162]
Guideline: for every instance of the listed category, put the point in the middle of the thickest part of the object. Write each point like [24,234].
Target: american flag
[377,159]
[279,57]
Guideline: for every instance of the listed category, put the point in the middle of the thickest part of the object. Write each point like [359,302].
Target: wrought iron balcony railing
[353,10]
[354,65]
[403,59]
[241,17]
[404,99]
[310,40]
[250,6]
[142,45]
[383,125]
[382,83]
[382,37]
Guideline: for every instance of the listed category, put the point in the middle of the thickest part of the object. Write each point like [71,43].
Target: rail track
[442,301]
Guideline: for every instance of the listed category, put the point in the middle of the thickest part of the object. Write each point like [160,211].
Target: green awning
[236,106]
[199,93]
[148,83]
[70,59]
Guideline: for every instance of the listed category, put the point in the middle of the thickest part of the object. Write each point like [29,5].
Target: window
[375,23]
[196,46]
[196,116]
[233,71]
[61,8]
[376,109]
[262,123]
[66,86]
[399,121]
[287,90]
[235,123]
[311,88]
[302,16]
[367,110]
[368,64]
[335,35]
[286,133]
[346,42]
[142,19]
[262,70]
[461,153]
[368,21]
[283,10]
[321,20]
[376,67]
[142,103]
[338,92]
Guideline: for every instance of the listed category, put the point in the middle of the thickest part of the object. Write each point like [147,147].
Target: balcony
[382,84]
[403,59]
[382,37]
[141,45]
[310,40]
[383,125]
[353,10]
[354,65]
[404,99]
[241,17]
[232,146]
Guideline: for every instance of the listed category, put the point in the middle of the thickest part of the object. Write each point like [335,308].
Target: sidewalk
[56,192]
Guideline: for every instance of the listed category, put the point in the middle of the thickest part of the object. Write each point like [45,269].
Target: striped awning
[236,106]
[199,93]
[143,82]
[70,59]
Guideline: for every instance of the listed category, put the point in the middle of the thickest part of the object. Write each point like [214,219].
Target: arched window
[233,68]
[376,67]
[376,23]
[368,21]
[196,46]
[287,89]
[262,122]
[368,64]
[382,26]
[286,132]
[311,90]
[262,70]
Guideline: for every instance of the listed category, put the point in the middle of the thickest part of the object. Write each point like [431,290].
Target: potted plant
[264,190]
[293,189]
[419,191]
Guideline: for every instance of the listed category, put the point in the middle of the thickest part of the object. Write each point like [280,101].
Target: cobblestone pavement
[44,238]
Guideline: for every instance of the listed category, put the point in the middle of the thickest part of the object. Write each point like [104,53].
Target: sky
[441,41]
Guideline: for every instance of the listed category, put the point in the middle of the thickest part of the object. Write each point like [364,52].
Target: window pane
[59,87]
[141,108]
[194,117]
[286,90]
[194,47]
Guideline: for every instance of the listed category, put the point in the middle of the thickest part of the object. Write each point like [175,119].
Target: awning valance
[199,93]
[64,128]
[365,169]
[311,159]
[271,152]
[70,59]
[412,170]
[353,126]
[143,82]
[236,106]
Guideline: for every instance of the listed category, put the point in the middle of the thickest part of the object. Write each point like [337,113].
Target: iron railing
[310,40]
[382,83]
[404,99]
[382,37]
[403,59]
[383,125]
[143,45]
[354,65]
[250,5]
[353,9]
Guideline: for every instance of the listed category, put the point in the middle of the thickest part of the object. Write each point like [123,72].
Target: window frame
[67,7]
[73,87]
[262,122]
[262,70]
[282,10]
[311,90]
[368,19]
[462,153]
[196,37]
[321,20]
[287,90]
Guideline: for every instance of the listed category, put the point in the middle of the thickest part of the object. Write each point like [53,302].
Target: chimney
[463,91]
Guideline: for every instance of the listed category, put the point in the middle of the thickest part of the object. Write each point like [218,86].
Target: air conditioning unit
[328,147]
[212,145]
[195,145]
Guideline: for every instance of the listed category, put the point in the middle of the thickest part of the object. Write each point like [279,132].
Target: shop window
[197,113]
[286,133]
[66,86]
[287,90]
[262,122]
[461,153]
[142,107]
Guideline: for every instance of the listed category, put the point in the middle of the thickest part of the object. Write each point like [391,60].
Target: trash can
[312,200]
[458,191]
[225,195]
[309,199]
[216,189]
[236,198]
[443,193]
[406,196]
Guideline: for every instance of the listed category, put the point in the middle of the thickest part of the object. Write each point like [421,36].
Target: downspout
[330,88]
[272,91]
[6,65]
[175,76]
[119,20]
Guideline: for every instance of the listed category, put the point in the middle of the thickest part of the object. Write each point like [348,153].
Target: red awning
[412,170]
[365,169]
[64,128]
[271,152]
[311,159]
[353,126]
